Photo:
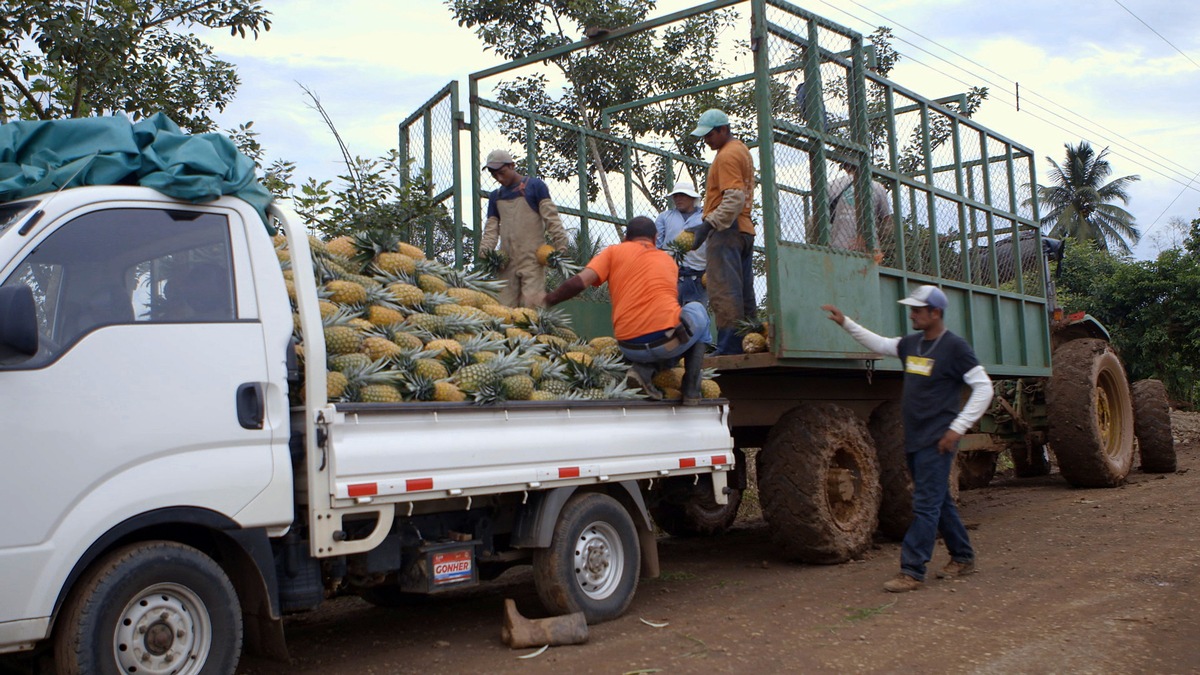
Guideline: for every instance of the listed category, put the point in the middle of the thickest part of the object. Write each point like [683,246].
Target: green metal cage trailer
[804,93]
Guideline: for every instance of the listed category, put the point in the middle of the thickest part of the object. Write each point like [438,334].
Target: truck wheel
[689,510]
[819,484]
[1091,414]
[975,469]
[1152,426]
[151,607]
[593,560]
[1029,459]
[887,430]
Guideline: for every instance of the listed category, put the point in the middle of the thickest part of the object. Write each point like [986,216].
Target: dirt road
[1081,581]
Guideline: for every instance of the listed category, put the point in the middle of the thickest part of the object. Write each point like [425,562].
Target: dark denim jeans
[730,284]
[691,290]
[934,511]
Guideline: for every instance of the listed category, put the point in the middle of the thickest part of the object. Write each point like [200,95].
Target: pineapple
[360,323]
[432,284]
[603,342]
[406,295]
[709,389]
[681,245]
[342,246]
[411,251]
[492,262]
[669,379]
[380,393]
[351,362]
[446,391]
[395,263]
[342,339]
[754,333]
[548,256]
[540,395]
[430,368]
[543,254]
[754,343]
[518,387]
[499,311]
[378,347]
[326,308]
[444,349]
[343,292]
[335,385]
[382,315]
[670,394]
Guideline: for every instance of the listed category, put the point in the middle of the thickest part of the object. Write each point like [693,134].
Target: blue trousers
[696,317]
[934,511]
[730,284]
[691,290]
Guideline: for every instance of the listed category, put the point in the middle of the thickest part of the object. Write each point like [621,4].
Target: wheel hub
[163,630]
[598,560]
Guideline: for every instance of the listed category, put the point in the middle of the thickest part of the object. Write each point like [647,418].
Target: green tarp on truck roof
[43,156]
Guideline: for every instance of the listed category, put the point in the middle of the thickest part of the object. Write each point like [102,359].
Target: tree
[81,58]
[1079,206]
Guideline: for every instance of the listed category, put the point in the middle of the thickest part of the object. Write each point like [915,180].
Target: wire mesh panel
[429,142]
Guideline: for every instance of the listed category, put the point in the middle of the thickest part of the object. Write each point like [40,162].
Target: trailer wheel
[688,508]
[1152,426]
[593,560]
[887,430]
[151,607]
[1029,459]
[819,484]
[1091,414]
[975,469]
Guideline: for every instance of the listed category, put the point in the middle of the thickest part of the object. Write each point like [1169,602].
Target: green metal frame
[955,207]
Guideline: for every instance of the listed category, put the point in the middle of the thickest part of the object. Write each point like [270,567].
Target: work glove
[701,233]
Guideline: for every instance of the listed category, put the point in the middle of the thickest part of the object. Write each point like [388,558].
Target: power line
[1184,172]
[1160,35]
[1168,208]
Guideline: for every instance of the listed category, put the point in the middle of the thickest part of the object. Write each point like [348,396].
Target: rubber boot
[642,375]
[693,366]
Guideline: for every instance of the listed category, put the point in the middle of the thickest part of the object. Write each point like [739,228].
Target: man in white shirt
[669,225]
[843,215]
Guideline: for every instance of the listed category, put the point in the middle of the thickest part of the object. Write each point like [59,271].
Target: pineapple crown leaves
[584,375]
[454,325]
[620,390]
[554,370]
[387,278]
[372,242]
[437,269]
[709,374]
[341,317]
[383,297]
[434,300]
[474,281]
[548,319]
[491,262]
[752,324]
[527,345]
[481,343]
[612,365]
[415,387]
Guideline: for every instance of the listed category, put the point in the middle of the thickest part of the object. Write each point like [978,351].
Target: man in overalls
[520,214]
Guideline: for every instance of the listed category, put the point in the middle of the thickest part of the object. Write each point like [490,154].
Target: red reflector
[1077,316]
[415,484]
[718,460]
[687,463]
[363,489]
[568,472]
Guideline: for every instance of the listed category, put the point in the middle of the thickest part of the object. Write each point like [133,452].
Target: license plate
[451,567]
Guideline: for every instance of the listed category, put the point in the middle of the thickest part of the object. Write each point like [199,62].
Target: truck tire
[1029,459]
[895,509]
[975,469]
[1152,426]
[819,484]
[689,510]
[150,607]
[593,560]
[1091,414]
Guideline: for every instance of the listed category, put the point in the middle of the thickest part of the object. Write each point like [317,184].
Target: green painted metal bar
[766,170]
[814,104]
[813,19]
[432,101]
[427,140]
[993,258]
[581,168]
[858,110]
[889,105]
[627,171]
[617,34]
[960,99]
[456,150]
[597,216]
[935,238]
[476,169]
[403,149]
[968,270]
[1018,256]
[531,158]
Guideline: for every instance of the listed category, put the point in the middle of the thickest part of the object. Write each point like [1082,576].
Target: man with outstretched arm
[936,365]
[651,328]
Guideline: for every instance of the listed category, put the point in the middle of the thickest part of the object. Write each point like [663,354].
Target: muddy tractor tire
[819,484]
[1091,414]
[1029,459]
[689,510]
[976,469]
[887,430]
[1152,426]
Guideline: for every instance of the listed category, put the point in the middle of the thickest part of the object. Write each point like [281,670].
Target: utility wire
[1184,172]
[1160,35]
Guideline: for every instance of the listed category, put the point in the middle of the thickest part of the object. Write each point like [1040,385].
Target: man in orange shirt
[648,322]
[728,229]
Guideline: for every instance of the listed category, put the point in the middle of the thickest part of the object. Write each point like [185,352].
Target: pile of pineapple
[399,328]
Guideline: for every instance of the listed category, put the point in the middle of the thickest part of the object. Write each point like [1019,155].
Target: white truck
[162,499]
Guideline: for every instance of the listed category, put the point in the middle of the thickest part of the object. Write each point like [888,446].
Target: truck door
[141,394]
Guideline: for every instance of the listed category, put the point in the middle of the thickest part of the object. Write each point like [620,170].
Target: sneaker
[901,583]
[643,381]
[955,569]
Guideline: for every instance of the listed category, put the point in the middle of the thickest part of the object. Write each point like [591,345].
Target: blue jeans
[696,317]
[690,288]
[934,511]
[730,284]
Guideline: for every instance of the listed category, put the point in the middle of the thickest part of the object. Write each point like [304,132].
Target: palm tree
[1078,204]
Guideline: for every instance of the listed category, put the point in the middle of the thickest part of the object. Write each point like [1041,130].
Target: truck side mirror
[18,322]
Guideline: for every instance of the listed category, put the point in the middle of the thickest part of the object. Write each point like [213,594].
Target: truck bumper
[18,636]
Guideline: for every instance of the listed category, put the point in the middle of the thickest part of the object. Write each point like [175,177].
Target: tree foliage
[80,58]
[1079,203]
[1149,307]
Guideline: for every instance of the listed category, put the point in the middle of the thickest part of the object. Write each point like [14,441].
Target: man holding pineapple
[520,215]
[652,329]
[670,227]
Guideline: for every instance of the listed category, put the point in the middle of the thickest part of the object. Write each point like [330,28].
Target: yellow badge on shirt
[918,365]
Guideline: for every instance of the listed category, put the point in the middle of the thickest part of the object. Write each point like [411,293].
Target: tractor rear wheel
[1152,426]
[1091,414]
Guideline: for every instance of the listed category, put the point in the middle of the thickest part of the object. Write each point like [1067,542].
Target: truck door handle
[250,405]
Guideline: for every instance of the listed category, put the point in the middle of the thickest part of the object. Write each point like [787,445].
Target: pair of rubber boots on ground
[693,363]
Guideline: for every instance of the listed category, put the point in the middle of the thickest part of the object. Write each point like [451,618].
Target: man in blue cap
[727,228]
[936,365]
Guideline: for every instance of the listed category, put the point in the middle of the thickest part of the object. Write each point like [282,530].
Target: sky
[1118,73]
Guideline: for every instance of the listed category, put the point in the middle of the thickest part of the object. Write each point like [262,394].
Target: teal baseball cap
[710,119]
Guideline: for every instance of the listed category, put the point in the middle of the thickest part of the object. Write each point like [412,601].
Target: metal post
[476,194]
[427,121]
[581,167]
[456,151]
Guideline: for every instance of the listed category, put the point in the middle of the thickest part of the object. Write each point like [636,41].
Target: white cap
[926,296]
[684,187]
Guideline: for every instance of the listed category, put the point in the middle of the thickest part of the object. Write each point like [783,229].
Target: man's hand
[949,441]
[701,233]
[835,314]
